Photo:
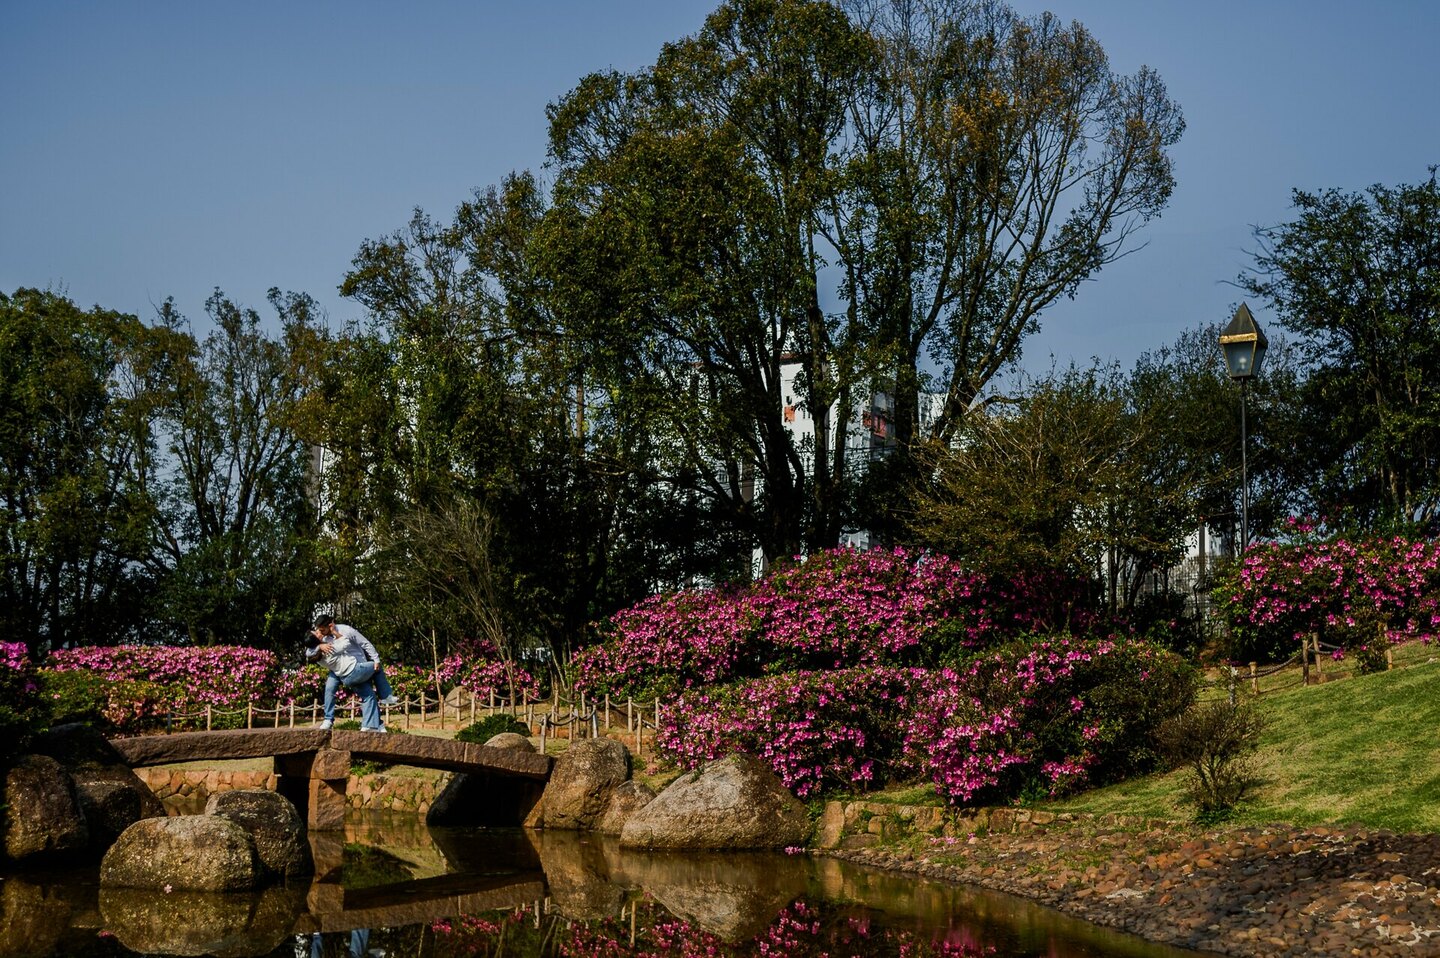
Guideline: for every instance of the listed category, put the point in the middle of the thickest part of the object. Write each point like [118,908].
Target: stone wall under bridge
[185,791]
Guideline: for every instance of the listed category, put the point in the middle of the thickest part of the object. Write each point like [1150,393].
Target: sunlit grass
[1363,750]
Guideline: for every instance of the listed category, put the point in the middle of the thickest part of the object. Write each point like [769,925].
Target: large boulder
[191,852]
[734,803]
[274,825]
[627,799]
[495,801]
[111,796]
[42,813]
[581,783]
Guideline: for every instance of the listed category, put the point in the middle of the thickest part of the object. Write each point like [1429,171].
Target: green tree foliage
[482,397]
[949,170]
[232,524]
[73,430]
[1190,412]
[1004,163]
[1356,276]
[693,197]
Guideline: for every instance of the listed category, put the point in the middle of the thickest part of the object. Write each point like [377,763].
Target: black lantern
[1244,346]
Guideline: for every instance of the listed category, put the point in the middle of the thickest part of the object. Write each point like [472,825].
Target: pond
[388,885]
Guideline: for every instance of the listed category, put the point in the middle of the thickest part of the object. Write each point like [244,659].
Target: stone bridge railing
[312,766]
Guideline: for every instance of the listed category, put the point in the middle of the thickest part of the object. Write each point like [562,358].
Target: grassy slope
[1363,750]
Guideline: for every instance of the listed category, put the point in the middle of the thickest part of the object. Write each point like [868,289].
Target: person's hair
[310,641]
[322,620]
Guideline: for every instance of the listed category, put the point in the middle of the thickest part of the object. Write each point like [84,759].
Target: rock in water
[110,794]
[192,852]
[42,813]
[274,825]
[734,803]
[581,783]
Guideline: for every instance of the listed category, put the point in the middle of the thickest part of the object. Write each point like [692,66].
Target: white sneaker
[380,729]
[326,724]
[388,700]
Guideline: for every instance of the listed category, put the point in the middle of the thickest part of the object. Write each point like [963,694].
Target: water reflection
[390,885]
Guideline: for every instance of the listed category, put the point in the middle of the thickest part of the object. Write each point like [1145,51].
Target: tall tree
[1005,163]
[73,426]
[234,521]
[1356,276]
[952,168]
[494,410]
[695,193]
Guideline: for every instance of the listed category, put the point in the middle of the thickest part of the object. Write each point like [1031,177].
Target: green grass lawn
[1363,750]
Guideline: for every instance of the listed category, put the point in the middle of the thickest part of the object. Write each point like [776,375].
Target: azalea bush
[131,688]
[838,609]
[819,731]
[114,705]
[23,708]
[1045,717]
[225,677]
[1281,592]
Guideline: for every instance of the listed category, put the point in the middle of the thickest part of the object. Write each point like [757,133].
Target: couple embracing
[353,663]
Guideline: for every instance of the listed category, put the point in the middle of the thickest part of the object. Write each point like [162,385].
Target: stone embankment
[181,788]
[1275,891]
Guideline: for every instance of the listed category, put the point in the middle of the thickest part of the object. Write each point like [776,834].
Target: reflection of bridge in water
[312,766]
[504,872]
[332,908]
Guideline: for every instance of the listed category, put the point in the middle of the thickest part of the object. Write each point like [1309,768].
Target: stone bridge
[312,766]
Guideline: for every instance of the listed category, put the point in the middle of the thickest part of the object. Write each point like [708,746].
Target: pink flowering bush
[23,709]
[1045,717]
[1281,592]
[225,677]
[133,688]
[819,731]
[836,610]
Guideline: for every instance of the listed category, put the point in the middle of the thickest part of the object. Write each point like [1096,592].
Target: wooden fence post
[1305,660]
[207,718]
[1254,680]
[1319,666]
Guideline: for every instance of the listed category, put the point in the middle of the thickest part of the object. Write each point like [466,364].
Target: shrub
[819,731]
[1216,741]
[225,677]
[24,709]
[836,610]
[1164,619]
[1281,592]
[124,705]
[483,730]
[1045,716]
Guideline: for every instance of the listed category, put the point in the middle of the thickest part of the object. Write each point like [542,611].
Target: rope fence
[559,717]
[1315,663]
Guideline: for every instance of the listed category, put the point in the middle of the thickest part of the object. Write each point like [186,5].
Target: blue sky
[156,149]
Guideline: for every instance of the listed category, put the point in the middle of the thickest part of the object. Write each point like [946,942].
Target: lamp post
[1244,346]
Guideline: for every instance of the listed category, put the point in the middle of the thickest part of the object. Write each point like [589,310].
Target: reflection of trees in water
[800,930]
[364,866]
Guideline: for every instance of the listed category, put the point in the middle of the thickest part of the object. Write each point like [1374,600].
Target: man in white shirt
[335,638]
